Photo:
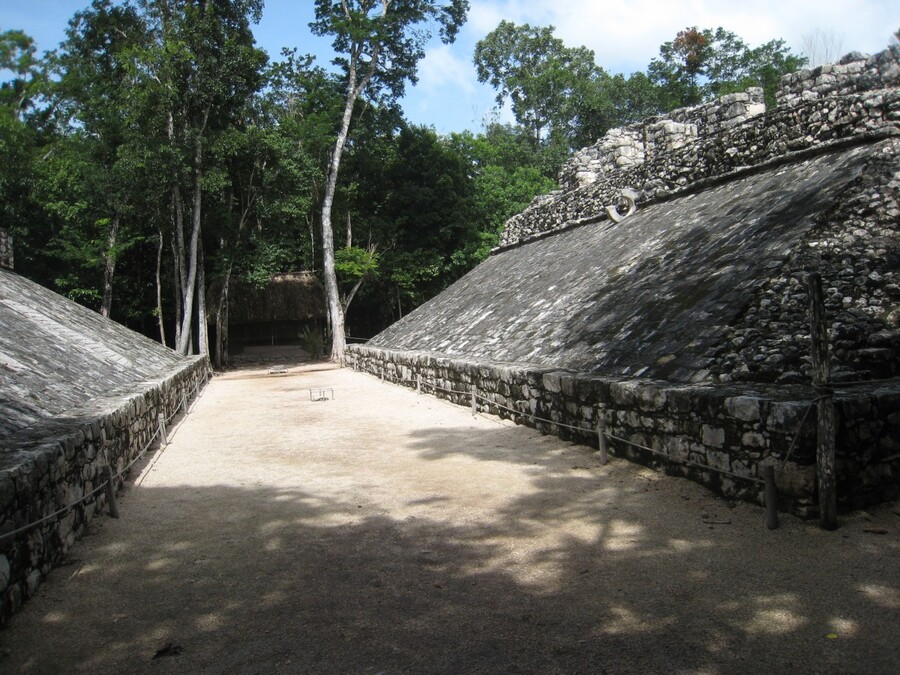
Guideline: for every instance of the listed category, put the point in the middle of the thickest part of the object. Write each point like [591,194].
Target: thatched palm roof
[291,296]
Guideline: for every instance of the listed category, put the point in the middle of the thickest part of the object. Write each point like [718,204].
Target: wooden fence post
[771,497]
[110,492]
[474,399]
[163,440]
[821,364]
[601,433]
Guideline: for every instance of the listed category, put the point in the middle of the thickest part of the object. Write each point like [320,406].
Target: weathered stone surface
[688,320]
[654,295]
[78,392]
[662,157]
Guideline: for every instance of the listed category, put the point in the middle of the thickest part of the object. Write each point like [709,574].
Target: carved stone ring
[625,201]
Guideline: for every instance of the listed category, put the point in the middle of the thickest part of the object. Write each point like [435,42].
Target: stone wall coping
[735,129]
[783,394]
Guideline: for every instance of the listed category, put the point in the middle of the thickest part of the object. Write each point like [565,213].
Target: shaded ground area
[382,531]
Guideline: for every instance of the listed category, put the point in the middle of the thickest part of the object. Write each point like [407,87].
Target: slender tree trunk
[312,243]
[222,321]
[332,294]
[190,286]
[177,217]
[202,320]
[159,306]
[178,242]
[178,295]
[349,231]
[109,266]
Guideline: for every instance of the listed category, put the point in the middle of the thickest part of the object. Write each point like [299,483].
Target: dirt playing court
[385,531]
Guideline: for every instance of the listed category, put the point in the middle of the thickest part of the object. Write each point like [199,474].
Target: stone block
[679,400]
[785,416]
[718,460]
[744,408]
[651,398]
[713,437]
[624,394]
[752,439]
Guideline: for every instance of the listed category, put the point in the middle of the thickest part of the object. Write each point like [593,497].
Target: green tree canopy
[700,65]
[547,83]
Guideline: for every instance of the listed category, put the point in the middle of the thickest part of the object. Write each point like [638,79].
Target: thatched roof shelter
[292,296]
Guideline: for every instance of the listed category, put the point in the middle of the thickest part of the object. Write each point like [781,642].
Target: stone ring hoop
[626,200]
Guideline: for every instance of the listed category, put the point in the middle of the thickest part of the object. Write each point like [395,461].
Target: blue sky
[623,35]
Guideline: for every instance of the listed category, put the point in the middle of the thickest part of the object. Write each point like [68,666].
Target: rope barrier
[103,485]
[770,492]
[797,433]
[31,526]
[857,383]
[678,460]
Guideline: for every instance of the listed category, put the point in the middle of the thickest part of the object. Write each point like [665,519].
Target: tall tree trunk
[332,294]
[178,258]
[222,321]
[109,265]
[202,321]
[355,87]
[312,243]
[159,306]
[178,295]
[190,286]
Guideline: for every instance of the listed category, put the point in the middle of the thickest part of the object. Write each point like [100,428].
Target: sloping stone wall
[79,394]
[61,462]
[721,437]
[689,318]
[706,288]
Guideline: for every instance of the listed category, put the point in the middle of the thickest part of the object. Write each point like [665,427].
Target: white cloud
[626,35]
[444,67]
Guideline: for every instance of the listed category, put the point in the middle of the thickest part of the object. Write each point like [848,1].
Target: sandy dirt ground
[383,531]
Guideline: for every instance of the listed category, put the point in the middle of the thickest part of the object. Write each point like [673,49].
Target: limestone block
[651,398]
[753,439]
[785,416]
[745,408]
[623,394]
[713,437]
[33,581]
[736,109]
[754,109]
[718,460]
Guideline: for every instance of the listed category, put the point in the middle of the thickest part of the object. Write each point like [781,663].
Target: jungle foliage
[158,156]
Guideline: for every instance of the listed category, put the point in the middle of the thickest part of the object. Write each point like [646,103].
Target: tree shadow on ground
[567,567]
